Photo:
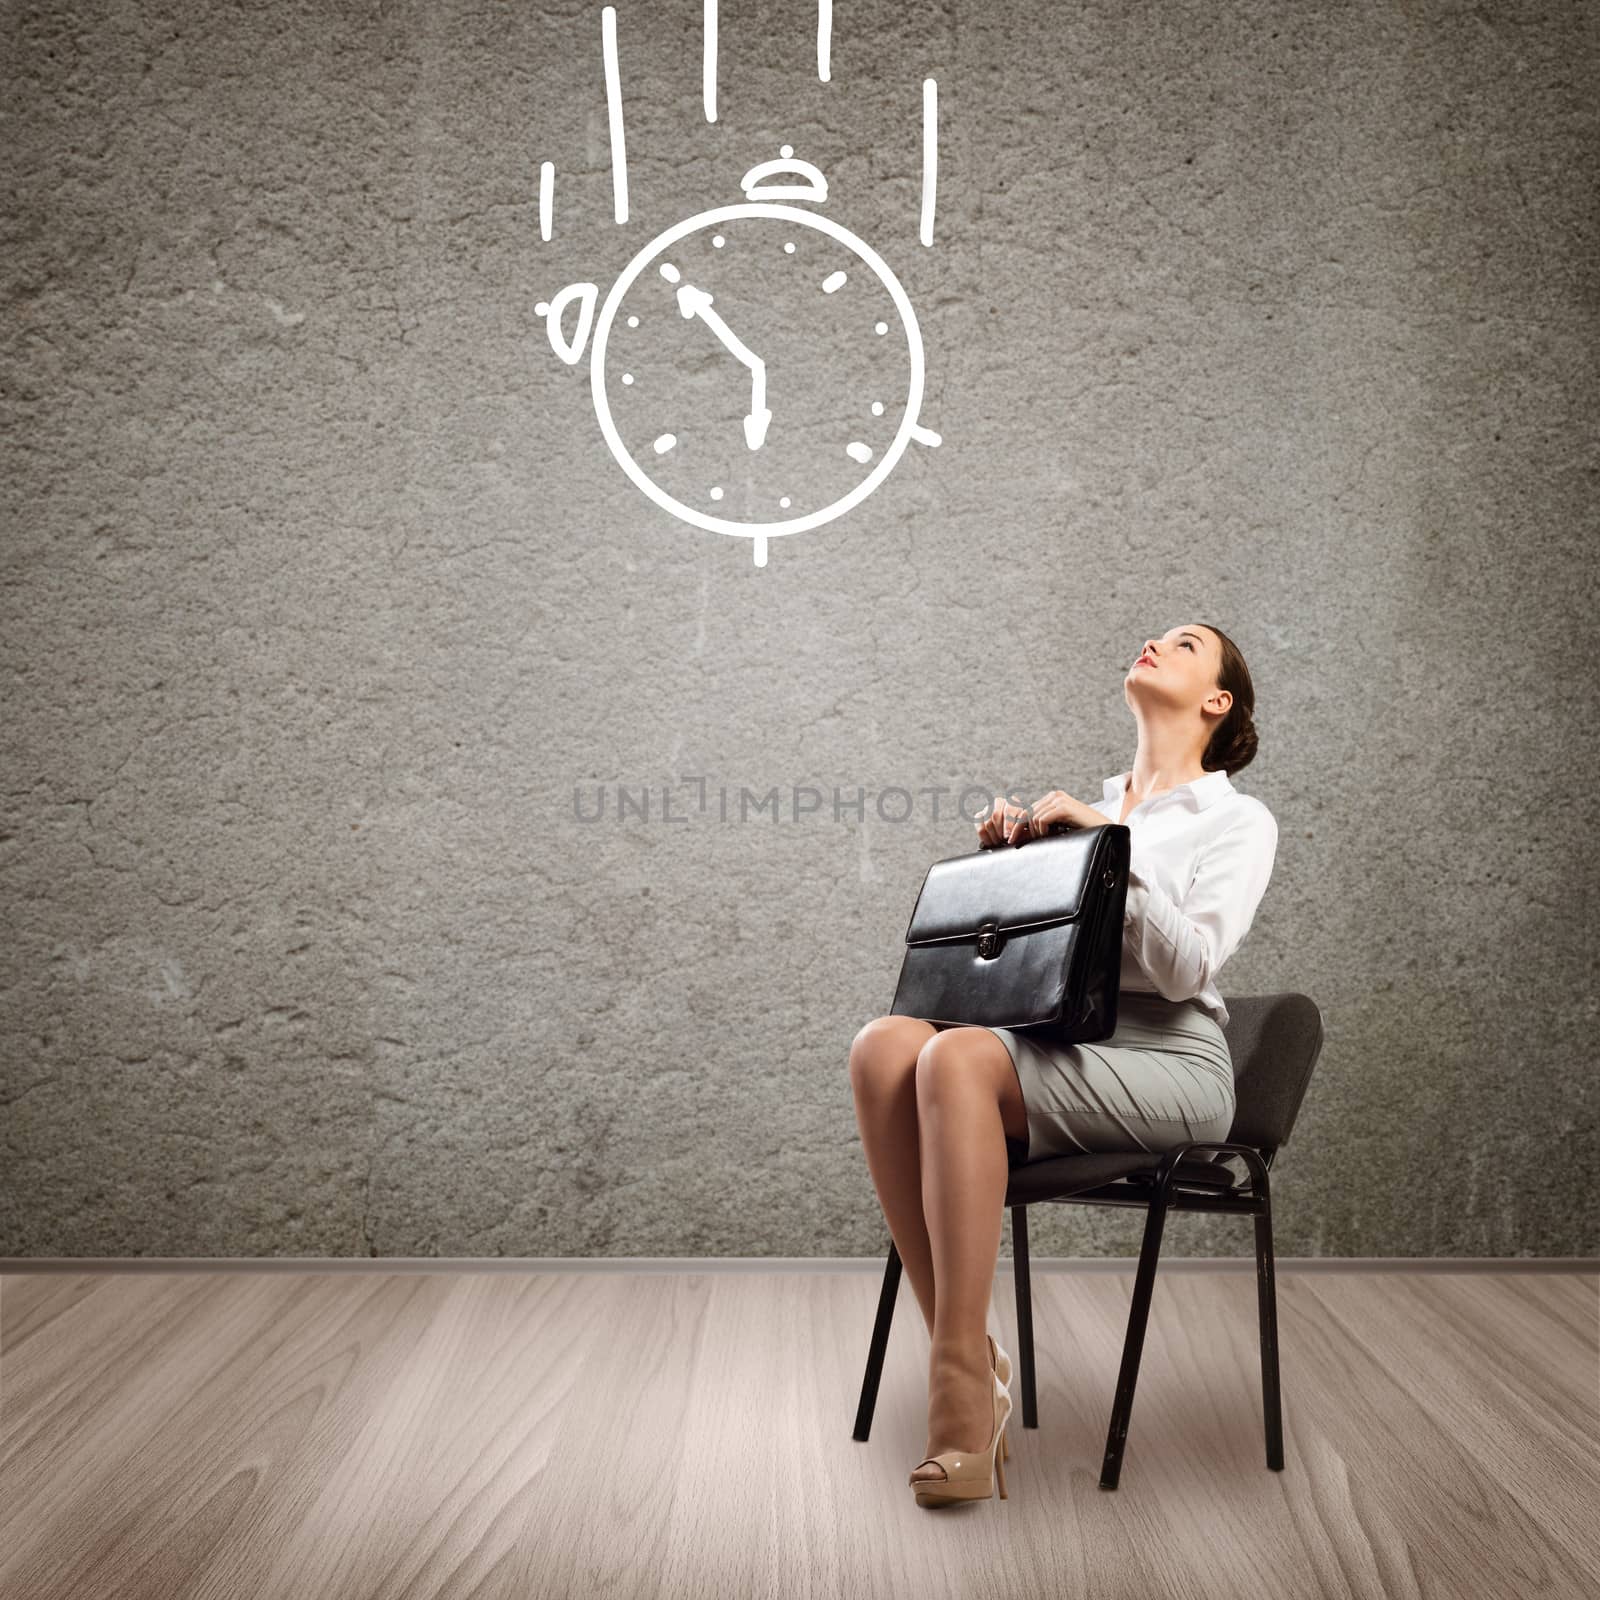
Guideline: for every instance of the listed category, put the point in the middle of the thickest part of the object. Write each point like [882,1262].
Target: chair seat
[1057,1176]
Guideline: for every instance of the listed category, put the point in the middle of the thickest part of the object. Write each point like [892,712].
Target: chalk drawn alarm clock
[757,369]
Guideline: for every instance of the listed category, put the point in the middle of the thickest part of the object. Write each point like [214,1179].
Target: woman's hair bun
[1240,750]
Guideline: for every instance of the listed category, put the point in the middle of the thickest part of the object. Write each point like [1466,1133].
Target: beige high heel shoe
[968,1476]
[1001,1363]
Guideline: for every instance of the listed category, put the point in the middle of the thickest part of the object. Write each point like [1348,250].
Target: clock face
[757,369]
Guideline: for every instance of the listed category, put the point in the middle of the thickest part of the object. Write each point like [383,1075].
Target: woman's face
[1179,670]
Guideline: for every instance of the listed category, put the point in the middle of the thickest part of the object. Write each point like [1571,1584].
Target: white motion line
[708,70]
[619,156]
[930,154]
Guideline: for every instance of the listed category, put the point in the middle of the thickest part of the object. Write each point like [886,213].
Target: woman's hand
[1015,825]
[1001,824]
[1059,807]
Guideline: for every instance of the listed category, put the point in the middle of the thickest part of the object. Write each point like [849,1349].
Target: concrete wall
[323,596]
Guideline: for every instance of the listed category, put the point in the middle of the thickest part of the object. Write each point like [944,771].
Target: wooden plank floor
[320,1435]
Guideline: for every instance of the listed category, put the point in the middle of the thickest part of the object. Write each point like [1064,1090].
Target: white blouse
[1200,858]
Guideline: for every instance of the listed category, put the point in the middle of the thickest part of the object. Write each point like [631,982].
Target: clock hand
[693,302]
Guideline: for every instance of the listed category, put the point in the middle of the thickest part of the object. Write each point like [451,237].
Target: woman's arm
[1183,947]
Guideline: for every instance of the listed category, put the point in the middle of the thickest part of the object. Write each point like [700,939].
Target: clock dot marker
[880,327]
[542,309]
[858,451]
[665,443]
[788,248]
[877,408]
[783,500]
[834,280]
[670,272]
[718,240]
[627,377]
[785,150]
[716,492]
[633,322]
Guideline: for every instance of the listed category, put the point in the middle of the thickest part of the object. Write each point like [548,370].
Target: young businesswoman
[942,1110]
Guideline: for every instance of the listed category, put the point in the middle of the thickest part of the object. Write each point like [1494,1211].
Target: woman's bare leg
[883,1073]
[968,1103]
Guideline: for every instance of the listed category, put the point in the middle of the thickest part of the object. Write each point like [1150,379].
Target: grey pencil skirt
[1163,1077]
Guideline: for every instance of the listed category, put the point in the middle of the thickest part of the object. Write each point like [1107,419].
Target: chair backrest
[1274,1040]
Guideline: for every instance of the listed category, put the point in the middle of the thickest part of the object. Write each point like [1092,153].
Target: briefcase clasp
[989,940]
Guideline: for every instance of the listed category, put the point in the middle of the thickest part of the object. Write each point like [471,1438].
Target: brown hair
[1233,741]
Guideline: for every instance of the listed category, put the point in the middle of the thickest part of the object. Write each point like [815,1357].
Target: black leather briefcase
[1022,936]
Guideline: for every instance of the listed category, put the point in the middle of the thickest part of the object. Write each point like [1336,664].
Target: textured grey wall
[322,596]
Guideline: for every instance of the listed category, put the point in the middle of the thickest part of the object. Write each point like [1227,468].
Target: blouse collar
[1201,791]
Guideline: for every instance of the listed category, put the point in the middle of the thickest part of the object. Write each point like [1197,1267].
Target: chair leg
[880,1344]
[1133,1344]
[1024,1287]
[1267,1299]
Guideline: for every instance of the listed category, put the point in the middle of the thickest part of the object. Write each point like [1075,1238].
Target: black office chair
[1274,1040]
